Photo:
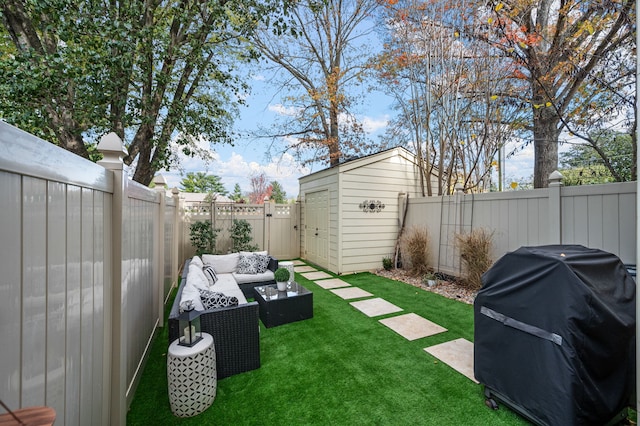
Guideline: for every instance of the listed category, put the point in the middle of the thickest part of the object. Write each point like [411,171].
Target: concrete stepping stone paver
[375,307]
[298,262]
[318,275]
[458,354]
[412,326]
[332,283]
[305,268]
[350,292]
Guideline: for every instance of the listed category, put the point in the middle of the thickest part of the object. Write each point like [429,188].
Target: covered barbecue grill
[555,334]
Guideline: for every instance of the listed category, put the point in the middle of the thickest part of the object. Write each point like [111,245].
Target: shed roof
[353,163]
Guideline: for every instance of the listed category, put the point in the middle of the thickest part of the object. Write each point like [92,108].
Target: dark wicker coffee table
[283,307]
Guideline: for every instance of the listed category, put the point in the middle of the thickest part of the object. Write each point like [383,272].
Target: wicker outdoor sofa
[235,329]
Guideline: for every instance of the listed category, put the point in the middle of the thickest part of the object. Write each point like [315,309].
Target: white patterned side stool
[192,377]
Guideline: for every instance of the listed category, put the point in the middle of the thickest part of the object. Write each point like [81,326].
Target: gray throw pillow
[248,264]
[262,263]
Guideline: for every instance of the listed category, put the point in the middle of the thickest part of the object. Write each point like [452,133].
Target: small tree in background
[260,188]
[201,182]
[415,250]
[236,195]
[278,193]
[475,254]
[242,236]
[203,237]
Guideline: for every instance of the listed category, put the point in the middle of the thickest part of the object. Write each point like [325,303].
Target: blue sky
[248,156]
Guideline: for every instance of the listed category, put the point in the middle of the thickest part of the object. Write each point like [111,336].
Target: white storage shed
[350,213]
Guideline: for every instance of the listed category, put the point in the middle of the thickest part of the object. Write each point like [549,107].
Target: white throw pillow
[197,278]
[210,273]
[195,260]
[190,292]
[222,263]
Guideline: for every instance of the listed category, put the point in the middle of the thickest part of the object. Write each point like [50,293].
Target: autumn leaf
[499,6]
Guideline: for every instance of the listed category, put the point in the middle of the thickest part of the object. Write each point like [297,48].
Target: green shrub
[475,255]
[203,237]
[387,263]
[281,275]
[241,236]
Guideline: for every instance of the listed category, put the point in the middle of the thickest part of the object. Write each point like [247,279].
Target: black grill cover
[555,334]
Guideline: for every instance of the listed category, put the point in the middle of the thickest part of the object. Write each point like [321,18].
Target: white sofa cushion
[254,278]
[227,284]
[222,263]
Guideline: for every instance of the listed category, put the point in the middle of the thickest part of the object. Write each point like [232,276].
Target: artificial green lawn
[339,368]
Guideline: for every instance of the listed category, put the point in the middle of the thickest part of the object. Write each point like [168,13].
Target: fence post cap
[111,148]
[555,178]
[458,187]
[160,181]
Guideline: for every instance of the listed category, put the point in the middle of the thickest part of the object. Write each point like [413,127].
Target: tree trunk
[546,130]
[545,152]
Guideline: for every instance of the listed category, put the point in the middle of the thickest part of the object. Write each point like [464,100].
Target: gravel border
[447,289]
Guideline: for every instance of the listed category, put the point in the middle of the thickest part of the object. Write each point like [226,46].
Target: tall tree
[445,87]
[151,71]
[559,49]
[203,183]
[319,63]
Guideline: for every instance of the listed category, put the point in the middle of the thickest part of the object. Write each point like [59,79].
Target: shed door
[317,227]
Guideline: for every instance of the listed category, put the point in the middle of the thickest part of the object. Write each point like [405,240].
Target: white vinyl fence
[86,259]
[597,216]
[274,227]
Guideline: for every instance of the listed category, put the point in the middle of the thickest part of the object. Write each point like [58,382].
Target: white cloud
[283,110]
[372,125]
[234,168]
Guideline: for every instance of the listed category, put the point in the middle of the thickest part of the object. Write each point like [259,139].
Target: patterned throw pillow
[263,263]
[210,273]
[248,264]
[213,299]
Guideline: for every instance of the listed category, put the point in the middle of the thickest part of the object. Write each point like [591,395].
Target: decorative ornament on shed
[371,206]
[189,325]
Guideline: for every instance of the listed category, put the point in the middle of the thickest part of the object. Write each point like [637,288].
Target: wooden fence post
[113,150]
[555,208]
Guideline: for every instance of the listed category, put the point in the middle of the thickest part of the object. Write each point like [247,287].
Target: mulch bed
[449,289]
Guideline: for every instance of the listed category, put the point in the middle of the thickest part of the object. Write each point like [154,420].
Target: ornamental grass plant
[339,368]
[415,250]
[475,254]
